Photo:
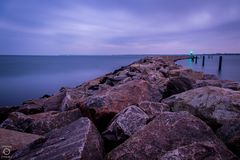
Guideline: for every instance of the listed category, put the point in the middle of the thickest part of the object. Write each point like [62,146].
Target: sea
[30,77]
[229,70]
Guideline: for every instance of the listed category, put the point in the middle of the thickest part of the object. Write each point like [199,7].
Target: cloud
[114,27]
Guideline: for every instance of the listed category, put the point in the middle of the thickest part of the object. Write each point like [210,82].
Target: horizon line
[130,54]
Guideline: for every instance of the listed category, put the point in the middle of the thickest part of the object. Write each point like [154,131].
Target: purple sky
[119,26]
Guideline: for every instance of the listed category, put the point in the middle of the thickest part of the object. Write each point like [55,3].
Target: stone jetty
[150,109]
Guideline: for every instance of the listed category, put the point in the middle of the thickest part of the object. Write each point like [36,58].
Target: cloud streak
[114,27]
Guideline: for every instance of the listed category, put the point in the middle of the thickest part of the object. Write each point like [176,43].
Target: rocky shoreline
[150,109]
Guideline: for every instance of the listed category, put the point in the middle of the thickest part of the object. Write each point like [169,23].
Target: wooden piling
[196,59]
[220,63]
[203,61]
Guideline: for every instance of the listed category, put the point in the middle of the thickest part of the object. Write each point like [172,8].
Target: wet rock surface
[79,140]
[172,135]
[137,109]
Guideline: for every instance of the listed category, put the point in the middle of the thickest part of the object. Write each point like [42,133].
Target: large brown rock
[216,106]
[40,123]
[102,106]
[172,135]
[123,125]
[10,141]
[65,99]
[78,140]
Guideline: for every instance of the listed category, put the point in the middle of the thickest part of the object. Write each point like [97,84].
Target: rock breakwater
[150,109]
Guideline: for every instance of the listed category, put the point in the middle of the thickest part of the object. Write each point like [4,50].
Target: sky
[94,27]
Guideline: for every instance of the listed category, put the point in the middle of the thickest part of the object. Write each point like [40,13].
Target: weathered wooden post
[196,59]
[203,61]
[220,64]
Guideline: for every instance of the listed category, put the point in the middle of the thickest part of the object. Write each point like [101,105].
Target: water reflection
[229,70]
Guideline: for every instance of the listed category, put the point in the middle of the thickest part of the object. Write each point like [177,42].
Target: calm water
[28,77]
[230,66]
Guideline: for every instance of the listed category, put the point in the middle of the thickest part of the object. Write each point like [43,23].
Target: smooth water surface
[230,66]
[29,77]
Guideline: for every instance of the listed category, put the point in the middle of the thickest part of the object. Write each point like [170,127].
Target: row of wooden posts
[203,61]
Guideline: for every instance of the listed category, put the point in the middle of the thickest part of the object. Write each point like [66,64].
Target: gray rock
[172,136]
[124,124]
[79,140]
[212,104]
[216,106]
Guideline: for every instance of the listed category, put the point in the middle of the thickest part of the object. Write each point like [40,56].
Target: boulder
[177,85]
[64,100]
[210,77]
[188,73]
[153,108]
[40,123]
[123,125]
[203,83]
[231,85]
[5,110]
[10,141]
[60,101]
[216,106]
[102,106]
[172,135]
[218,83]
[229,133]
[78,140]
[197,151]
[32,106]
